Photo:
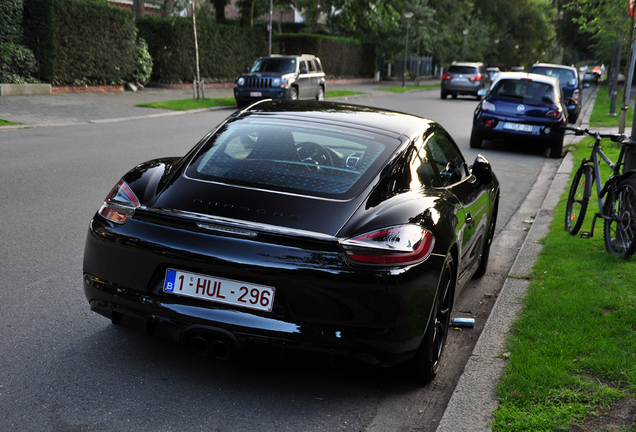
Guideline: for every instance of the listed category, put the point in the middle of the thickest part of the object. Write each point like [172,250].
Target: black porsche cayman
[323,227]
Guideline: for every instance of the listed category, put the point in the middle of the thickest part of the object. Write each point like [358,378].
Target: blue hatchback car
[570,83]
[522,106]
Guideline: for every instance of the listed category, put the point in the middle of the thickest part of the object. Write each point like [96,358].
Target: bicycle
[616,198]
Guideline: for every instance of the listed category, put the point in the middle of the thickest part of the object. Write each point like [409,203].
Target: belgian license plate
[219,290]
[256,94]
[517,127]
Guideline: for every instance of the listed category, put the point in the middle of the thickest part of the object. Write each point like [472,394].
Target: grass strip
[189,104]
[573,348]
[408,88]
[193,104]
[601,109]
[8,123]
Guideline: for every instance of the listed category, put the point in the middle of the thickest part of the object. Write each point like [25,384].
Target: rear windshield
[292,156]
[464,70]
[525,89]
[278,65]
[566,76]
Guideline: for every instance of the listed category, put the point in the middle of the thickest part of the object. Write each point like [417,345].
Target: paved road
[53,277]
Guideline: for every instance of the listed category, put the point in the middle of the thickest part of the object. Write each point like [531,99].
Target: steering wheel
[313,153]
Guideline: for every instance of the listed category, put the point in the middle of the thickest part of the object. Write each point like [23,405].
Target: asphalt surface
[474,398]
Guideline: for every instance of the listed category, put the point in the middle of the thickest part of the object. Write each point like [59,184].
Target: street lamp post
[408,16]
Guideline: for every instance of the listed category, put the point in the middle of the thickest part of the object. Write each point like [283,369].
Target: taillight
[120,204]
[398,245]
[575,95]
[488,106]
[447,77]
[475,78]
[554,114]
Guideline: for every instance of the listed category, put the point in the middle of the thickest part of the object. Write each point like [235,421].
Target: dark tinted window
[439,162]
[566,76]
[464,70]
[525,90]
[278,65]
[292,156]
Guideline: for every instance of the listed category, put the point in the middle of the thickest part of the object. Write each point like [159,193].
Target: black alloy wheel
[423,367]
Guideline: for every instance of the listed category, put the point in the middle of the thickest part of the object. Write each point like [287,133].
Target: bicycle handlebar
[621,138]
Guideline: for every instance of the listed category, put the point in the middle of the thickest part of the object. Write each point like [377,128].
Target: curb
[475,399]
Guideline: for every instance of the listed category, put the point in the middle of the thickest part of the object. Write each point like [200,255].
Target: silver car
[464,79]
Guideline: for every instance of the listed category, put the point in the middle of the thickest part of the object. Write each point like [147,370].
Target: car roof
[476,64]
[555,66]
[289,56]
[528,76]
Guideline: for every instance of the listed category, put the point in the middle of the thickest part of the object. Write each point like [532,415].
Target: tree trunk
[219,9]
[168,7]
[138,8]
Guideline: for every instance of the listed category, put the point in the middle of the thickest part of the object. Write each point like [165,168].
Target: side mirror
[482,92]
[247,69]
[481,169]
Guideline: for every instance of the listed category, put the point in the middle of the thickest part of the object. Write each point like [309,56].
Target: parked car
[493,72]
[590,76]
[522,106]
[281,77]
[334,229]
[464,79]
[570,83]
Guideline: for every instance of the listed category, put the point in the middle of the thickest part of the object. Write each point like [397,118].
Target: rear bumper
[543,133]
[323,306]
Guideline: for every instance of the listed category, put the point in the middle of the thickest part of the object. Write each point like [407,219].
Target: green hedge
[224,50]
[11,21]
[17,64]
[80,42]
[340,57]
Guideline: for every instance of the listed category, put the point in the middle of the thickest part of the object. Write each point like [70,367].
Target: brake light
[554,114]
[575,95]
[398,245]
[475,78]
[120,204]
[447,77]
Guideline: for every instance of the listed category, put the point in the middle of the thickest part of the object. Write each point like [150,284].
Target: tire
[619,230]
[475,140]
[293,94]
[423,367]
[578,199]
[556,149]
[320,96]
[444,95]
[485,252]
[573,119]
[454,95]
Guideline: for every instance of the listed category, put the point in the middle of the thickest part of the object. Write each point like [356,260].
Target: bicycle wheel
[578,199]
[619,229]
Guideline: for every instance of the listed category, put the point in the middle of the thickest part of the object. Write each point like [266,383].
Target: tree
[139,8]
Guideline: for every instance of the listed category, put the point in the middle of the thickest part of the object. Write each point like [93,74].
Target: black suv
[570,83]
[281,77]
[464,79]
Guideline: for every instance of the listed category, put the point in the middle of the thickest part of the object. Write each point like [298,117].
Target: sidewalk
[81,108]
[474,398]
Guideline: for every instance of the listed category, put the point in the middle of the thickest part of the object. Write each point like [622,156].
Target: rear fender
[617,179]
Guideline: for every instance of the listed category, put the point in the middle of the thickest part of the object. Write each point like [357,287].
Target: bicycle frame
[614,178]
